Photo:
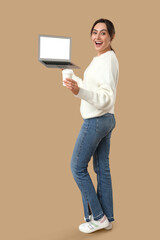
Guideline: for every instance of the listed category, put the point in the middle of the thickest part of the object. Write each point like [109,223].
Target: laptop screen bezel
[58,60]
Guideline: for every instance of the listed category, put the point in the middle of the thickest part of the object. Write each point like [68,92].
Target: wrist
[77,93]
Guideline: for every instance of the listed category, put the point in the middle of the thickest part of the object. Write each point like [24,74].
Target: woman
[98,94]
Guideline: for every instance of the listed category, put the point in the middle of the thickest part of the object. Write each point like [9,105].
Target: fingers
[68,86]
[67,83]
[70,83]
[71,80]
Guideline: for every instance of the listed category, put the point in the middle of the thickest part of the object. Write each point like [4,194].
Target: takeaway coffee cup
[66,73]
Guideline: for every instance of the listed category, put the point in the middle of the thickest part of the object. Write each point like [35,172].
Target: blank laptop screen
[54,48]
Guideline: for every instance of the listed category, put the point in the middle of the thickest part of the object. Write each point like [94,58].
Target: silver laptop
[55,52]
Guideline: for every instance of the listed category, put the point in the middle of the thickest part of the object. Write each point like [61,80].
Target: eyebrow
[101,30]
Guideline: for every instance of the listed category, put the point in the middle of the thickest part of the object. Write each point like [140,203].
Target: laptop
[55,52]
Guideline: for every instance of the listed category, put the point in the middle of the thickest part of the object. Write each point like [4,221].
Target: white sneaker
[109,227]
[93,226]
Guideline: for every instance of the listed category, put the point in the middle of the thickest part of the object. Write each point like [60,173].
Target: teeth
[98,42]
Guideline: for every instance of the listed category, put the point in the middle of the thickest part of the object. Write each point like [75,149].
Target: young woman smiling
[97,92]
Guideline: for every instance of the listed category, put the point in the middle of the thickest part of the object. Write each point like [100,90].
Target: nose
[98,36]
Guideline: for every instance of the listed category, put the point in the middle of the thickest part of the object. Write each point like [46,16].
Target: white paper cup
[66,73]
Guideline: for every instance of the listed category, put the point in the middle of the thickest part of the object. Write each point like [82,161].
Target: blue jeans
[94,140]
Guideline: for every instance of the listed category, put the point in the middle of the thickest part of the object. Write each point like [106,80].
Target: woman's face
[101,38]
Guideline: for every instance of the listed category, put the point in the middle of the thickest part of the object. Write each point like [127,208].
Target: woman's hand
[72,85]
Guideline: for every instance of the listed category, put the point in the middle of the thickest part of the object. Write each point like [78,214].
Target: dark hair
[109,25]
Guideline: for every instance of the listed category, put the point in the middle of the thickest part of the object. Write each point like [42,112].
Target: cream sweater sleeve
[104,97]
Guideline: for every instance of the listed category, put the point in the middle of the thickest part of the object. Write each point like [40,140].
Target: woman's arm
[104,96]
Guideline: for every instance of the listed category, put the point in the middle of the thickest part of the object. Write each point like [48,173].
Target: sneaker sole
[109,227]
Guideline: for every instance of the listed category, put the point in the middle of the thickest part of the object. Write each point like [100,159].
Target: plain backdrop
[40,120]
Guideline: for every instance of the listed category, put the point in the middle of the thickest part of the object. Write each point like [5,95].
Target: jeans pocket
[105,123]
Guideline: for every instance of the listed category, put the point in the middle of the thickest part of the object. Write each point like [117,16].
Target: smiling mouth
[98,43]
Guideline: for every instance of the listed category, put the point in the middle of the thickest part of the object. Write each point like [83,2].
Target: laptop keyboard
[57,63]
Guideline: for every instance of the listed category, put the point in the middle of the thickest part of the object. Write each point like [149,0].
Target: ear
[113,36]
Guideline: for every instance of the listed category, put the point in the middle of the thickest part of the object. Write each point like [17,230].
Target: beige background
[40,120]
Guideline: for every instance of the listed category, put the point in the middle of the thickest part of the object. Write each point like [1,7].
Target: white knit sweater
[98,89]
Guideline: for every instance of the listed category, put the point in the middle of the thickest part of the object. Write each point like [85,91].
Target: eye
[93,32]
[103,33]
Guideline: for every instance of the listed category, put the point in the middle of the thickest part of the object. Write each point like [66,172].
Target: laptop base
[66,66]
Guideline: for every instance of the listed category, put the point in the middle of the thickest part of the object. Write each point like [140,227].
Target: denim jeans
[94,140]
